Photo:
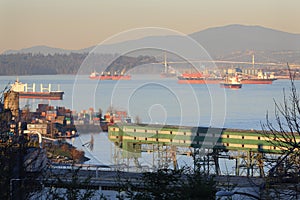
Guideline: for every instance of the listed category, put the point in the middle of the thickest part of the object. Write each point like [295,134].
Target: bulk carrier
[198,78]
[29,92]
[261,78]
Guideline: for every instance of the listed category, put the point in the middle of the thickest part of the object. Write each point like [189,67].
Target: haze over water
[164,101]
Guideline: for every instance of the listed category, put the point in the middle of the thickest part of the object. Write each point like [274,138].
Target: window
[242,137]
[258,138]
[242,145]
[134,130]
[227,136]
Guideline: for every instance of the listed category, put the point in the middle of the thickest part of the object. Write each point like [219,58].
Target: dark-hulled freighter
[29,92]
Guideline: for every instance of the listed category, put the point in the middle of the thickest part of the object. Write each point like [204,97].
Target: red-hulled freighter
[261,78]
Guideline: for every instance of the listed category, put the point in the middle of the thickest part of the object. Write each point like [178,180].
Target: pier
[248,148]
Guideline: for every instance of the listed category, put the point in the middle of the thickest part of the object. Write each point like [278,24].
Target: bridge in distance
[235,62]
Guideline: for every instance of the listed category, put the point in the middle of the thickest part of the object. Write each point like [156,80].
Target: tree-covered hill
[39,64]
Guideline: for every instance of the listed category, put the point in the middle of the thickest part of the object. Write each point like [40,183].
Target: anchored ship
[231,83]
[29,92]
[108,76]
[260,79]
[198,78]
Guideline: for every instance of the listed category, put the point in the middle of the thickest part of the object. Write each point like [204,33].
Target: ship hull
[257,81]
[115,77]
[42,95]
[231,85]
[198,78]
[199,81]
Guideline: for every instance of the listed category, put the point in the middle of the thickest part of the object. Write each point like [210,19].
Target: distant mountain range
[231,38]
[218,42]
[42,49]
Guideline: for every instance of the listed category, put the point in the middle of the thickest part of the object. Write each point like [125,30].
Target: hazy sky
[76,24]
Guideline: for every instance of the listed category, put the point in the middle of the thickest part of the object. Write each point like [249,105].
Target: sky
[77,24]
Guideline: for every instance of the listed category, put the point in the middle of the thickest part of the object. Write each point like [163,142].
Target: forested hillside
[39,64]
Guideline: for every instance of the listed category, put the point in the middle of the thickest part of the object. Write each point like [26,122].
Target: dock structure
[249,148]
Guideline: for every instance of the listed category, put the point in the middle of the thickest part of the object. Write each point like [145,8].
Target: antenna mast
[165,63]
[253,60]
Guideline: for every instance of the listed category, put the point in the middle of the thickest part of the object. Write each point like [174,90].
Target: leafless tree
[283,133]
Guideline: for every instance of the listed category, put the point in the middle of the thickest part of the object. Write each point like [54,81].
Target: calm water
[157,100]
